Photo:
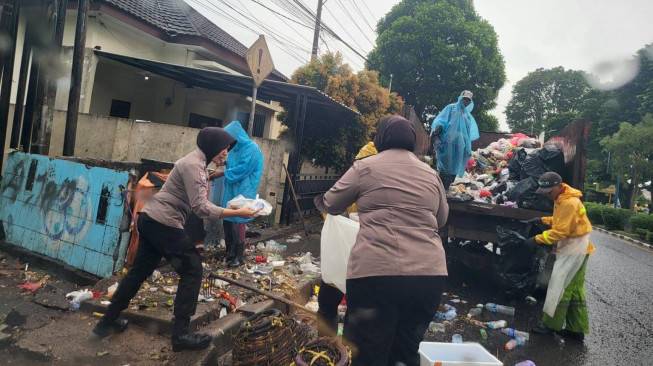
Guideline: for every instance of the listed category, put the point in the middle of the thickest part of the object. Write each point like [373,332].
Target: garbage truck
[471,232]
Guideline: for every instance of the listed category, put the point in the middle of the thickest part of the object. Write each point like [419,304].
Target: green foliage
[641,221]
[545,97]
[435,49]
[643,233]
[631,150]
[607,109]
[333,142]
[649,237]
[615,219]
[595,212]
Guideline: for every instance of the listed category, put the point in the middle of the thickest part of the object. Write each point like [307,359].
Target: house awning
[274,90]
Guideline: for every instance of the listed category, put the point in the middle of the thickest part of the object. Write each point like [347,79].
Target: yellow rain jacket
[368,150]
[569,219]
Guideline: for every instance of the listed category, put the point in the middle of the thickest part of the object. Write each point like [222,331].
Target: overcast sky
[598,36]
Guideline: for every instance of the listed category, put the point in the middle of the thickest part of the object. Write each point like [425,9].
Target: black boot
[104,328]
[182,339]
[238,260]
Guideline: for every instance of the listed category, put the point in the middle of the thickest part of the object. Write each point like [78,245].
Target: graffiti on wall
[66,210]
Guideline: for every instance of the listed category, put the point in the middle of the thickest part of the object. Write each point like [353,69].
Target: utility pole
[76,79]
[55,13]
[316,33]
[7,72]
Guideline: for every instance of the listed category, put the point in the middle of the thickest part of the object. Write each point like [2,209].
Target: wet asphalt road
[619,288]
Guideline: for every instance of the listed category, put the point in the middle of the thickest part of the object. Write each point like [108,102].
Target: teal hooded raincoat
[244,168]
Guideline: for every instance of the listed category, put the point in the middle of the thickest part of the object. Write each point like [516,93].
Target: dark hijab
[212,140]
[395,132]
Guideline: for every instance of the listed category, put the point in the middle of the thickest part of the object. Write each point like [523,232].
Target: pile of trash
[506,173]
[492,325]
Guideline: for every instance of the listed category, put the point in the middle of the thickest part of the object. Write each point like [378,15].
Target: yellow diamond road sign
[259,60]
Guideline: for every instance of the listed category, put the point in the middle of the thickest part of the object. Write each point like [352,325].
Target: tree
[435,49]
[542,95]
[334,143]
[631,151]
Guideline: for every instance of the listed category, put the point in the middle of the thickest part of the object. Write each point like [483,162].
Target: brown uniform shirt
[184,191]
[401,204]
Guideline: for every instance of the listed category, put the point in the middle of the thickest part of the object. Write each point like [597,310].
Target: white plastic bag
[338,238]
[240,201]
[570,254]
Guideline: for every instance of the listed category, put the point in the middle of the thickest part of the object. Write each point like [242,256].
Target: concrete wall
[65,210]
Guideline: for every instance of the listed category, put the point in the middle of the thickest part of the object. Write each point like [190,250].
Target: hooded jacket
[459,129]
[244,168]
[569,219]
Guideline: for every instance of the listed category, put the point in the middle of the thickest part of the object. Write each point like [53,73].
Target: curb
[623,237]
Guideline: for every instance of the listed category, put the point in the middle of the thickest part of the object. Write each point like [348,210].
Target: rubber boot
[106,328]
[238,260]
[182,339]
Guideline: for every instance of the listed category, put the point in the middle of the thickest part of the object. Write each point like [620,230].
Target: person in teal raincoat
[242,176]
[452,133]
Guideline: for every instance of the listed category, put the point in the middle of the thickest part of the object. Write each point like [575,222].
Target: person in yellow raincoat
[565,303]
[329,297]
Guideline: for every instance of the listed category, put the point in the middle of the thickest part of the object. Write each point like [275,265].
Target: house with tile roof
[169,31]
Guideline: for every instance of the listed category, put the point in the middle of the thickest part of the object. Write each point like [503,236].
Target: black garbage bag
[460,197]
[519,266]
[547,159]
[523,193]
[500,188]
[515,164]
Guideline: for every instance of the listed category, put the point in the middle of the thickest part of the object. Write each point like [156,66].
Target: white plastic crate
[455,354]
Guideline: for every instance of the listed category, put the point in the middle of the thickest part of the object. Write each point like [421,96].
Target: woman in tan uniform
[397,268]
[162,234]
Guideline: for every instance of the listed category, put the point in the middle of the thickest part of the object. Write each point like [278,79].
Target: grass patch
[630,235]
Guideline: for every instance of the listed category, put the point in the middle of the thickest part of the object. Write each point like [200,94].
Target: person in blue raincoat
[242,176]
[452,133]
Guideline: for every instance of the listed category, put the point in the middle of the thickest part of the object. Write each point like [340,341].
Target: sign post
[260,65]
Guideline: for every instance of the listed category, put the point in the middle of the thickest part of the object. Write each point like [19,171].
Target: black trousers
[328,299]
[156,241]
[234,239]
[387,317]
[447,179]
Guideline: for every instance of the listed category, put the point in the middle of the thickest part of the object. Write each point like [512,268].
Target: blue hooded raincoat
[244,168]
[459,129]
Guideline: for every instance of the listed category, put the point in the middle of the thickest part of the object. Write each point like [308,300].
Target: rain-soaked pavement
[619,287]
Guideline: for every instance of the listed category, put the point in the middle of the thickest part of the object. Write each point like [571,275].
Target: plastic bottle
[448,307]
[483,334]
[526,363]
[519,341]
[449,315]
[78,297]
[497,324]
[437,327]
[501,309]
[474,312]
[515,333]
[457,338]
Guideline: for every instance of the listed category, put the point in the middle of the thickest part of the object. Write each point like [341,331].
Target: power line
[329,30]
[341,26]
[363,16]
[233,20]
[353,21]
[273,33]
[279,14]
[368,9]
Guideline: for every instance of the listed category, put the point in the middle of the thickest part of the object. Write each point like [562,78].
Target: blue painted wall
[65,210]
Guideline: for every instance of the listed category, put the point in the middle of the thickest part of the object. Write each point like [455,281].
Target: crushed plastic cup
[456,338]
